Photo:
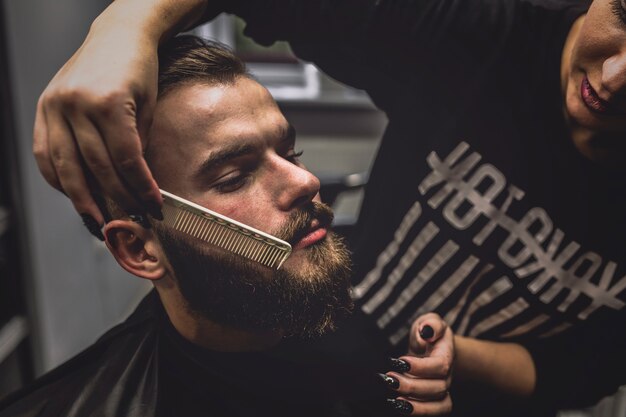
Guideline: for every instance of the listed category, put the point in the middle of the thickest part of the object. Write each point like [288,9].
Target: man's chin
[299,260]
[306,297]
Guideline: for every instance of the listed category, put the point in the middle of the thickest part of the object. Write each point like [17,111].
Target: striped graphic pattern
[490,273]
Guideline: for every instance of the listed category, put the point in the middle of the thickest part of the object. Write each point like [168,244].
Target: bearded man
[212,339]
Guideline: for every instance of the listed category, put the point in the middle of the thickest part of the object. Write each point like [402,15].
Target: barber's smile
[593,101]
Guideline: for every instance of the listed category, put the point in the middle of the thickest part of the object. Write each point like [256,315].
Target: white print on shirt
[588,274]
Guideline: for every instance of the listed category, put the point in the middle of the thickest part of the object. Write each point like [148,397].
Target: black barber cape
[143,367]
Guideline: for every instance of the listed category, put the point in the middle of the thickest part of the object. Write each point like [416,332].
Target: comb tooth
[221,236]
[268,258]
[250,245]
[235,241]
[253,247]
[272,259]
[281,256]
[257,250]
[217,230]
[230,237]
[264,257]
[275,256]
[212,229]
[203,230]
[279,261]
[191,225]
[185,223]
[180,224]
[178,219]
[224,241]
[197,227]
[277,253]
[217,233]
[230,240]
[239,243]
[273,262]
[282,259]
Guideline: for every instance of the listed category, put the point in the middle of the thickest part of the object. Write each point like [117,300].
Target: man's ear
[136,249]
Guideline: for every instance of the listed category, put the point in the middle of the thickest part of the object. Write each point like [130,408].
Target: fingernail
[390,381]
[427,332]
[155,211]
[398,365]
[92,225]
[400,406]
[140,220]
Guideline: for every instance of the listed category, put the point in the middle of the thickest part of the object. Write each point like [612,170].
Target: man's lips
[313,234]
[311,238]
[592,100]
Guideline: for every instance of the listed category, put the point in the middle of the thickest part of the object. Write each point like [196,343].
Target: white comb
[223,232]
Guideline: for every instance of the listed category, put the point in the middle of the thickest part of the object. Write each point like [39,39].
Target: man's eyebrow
[235,150]
[289,134]
[223,155]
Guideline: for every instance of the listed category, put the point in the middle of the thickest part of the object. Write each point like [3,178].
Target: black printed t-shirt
[478,207]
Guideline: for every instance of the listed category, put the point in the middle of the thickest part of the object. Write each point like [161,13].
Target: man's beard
[240,293]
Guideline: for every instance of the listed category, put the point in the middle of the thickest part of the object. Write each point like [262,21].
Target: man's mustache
[300,220]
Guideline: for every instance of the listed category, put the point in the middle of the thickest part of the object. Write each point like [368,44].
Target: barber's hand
[92,122]
[424,375]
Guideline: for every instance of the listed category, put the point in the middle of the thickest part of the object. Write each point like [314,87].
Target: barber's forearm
[154,20]
[507,367]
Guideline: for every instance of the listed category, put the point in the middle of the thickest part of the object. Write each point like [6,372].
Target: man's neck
[209,334]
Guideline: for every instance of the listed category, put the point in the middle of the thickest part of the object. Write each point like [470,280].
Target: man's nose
[614,74]
[297,186]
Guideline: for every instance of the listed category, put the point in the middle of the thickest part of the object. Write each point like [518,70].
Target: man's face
[230,149]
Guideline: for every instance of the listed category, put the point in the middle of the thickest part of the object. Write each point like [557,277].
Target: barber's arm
[508,367]
[97,109]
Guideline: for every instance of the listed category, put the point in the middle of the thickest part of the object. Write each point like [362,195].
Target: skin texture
[87,95]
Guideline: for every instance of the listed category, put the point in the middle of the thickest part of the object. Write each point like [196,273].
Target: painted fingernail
[140,220]
[398,365]
[390,381]
[92,225]
[400,406]
[427,332]
[155,211]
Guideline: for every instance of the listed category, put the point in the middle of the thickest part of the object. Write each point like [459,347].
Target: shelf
[4,220]
[11,334]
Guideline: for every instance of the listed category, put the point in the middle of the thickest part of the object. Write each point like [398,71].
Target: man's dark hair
[188,58]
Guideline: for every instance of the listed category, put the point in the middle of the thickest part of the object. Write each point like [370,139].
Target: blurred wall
[77,289]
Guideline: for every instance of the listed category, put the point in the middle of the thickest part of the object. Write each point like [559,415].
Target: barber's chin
[604,148]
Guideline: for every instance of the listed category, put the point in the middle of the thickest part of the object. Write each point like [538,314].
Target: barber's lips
[592,100]
[315,233]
